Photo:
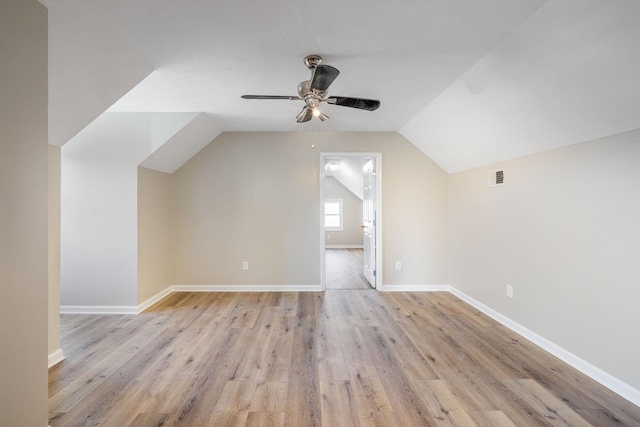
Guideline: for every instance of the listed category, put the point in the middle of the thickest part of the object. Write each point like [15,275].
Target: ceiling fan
[314,91]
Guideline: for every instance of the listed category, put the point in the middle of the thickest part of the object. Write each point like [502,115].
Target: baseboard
[98,309]
[595,373]
[343,247]
[55,358]
[95,309]
[154,299]
[415,288]
[246,288]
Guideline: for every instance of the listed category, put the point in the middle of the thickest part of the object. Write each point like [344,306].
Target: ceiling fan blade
[291,98]
[360,103]
[323,76]
[305,115]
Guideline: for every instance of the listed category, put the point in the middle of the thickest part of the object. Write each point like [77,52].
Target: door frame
[378,207]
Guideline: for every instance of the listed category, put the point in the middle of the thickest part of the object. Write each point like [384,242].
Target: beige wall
[155,233]
[351,233]
[565,233]
[23,213]
[256,197]
[54,248]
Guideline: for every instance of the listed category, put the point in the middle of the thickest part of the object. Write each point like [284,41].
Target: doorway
[343,269]
[351,226]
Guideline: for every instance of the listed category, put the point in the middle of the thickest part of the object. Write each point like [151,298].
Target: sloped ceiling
[89,70]
[349,173]
[570,74]
[467,82]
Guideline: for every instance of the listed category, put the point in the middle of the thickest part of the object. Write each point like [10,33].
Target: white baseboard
[415,288]
[246,288]
[343,247]
[595,373]
[95,309]
[55,358]
[225,288]
[154,299]
[98,309]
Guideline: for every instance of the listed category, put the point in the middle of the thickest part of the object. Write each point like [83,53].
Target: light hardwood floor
[338,358]
[343,269]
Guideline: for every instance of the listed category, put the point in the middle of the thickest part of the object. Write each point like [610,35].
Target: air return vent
[495,178]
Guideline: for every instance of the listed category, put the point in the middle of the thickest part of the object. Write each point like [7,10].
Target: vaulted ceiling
[468,82]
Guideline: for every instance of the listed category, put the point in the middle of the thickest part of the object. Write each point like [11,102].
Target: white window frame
[340,214]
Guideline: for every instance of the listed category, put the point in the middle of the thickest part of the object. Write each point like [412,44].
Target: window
[333,214]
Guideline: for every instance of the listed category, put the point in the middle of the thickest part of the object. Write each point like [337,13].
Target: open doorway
[350,190]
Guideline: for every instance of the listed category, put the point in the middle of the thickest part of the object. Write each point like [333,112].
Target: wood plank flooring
[338,358]
[343,269]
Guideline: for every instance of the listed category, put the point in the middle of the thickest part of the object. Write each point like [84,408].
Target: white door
[369,221]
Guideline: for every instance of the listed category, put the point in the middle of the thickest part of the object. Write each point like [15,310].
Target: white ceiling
[468,82]
[570,74]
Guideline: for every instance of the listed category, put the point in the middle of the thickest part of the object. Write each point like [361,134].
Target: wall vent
[495,178]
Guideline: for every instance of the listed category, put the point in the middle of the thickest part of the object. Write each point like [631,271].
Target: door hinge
[374,273]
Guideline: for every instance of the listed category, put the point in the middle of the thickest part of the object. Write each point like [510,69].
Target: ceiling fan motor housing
[304,88]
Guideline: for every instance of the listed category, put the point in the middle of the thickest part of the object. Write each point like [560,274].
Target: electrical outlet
[398,265]
[245,265]
[510,291]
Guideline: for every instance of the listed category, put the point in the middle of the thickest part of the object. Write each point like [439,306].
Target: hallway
[344,269]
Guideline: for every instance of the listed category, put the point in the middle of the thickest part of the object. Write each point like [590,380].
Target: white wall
[565,232]
[351,233]
[23,213]
[99,226]
[256,197]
